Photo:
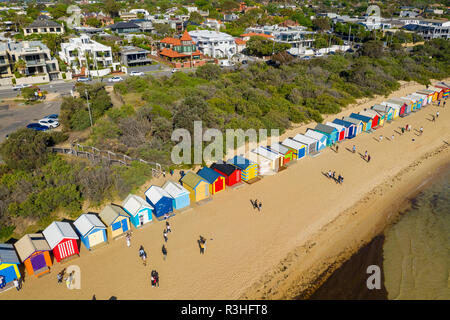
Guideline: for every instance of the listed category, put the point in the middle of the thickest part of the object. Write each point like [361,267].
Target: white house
[213,43]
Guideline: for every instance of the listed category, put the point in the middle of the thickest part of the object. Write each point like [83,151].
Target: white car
[21,86]
[115,79]
[136,73]
[49,123]
[175,70]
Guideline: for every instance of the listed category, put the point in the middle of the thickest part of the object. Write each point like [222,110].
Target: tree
[229,5]
[260,46]
[196,17]
[162,29]
[93,22]
[208,72]
[321,24]
[111,7]
[372,49]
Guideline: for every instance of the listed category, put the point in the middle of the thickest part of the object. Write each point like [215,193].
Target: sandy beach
[308,224]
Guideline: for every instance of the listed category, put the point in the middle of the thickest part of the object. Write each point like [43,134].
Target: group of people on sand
[256,204]
[332,175]
[69,280]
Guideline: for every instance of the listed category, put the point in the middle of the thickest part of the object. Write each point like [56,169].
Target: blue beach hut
[367,121]
[160,200]
[140,211]
[320,137]
[351,128]
[179,194]
[9,265]
[330,132]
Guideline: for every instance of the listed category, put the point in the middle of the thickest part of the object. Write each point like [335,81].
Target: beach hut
[231,173]
[197,186]
[320,137]
[140,211]
[9,264]
[276,159]
[422,97]
[310,143]
[298,148]
[249,169]
[34,252]
[376,119]
[91,230]
[160,200]
[367,121]
[439,92]
[288,154]
[387,111]
[428,93]
[408,103]
[351,128]
[397,108]
[359,125]
[445,87]
[215,180]
[116,220]
[342,131]
[179,194]
[329,131]
[417,99]
[402,104]
[411,102]
[62,239]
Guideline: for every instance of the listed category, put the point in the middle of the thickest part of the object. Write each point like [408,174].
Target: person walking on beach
[168,227]
[69,279]
[421,130]
[337,148]
[164,174]
[330,175]
[259,207]
[171,172]
[164,252]
[128,237]
[439,103]
[403,130]
[202,247]
[407,127]
[392,137]
[443,105]
[17,284]
[334,175]
[339,179]
[368,158]
[381,138]
[354,148]
[437,114]
[433,119]
[165,235]
[365,155]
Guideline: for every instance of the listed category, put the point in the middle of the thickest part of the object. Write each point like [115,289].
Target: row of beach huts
[62,239]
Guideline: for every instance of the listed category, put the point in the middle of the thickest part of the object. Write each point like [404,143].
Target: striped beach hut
[298,148]
[9,265]
[439,92]
[402,104]
[116,220]
[215,180]
[62,239]
[376,119]
[428,93]
[276,159]
[417,99]
[310,143]
[34,252]
[197,186]
[422,97]
[329,131]
[160,200]
[320,137]
[367,121]
[249,169]
[342,131]
[408,103]
[140,211]
[231,173]
[91,230]
[445,87]
[288,154]
[396,108]
[387,111]
[349,126]
[180,195]
[412,102]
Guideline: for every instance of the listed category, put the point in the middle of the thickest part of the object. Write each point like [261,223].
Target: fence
[105,156]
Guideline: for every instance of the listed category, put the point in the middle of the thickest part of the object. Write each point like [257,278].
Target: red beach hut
[62,239]
[231,173]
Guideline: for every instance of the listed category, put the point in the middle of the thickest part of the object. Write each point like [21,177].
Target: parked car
[38,127]
[52,116]
[175,70]
[306,58]
[136,73]
[244,61]
[115,79]
[21,86]
[49,123]
[83,79]
[318,54]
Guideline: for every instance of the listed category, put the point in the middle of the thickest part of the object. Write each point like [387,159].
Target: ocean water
[413,254]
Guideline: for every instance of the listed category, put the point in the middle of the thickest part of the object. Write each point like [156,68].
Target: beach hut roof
[192,179]
[8,254]
[111,212]
[278,147]
[427,92]
[266,153]
[335,125]
[208,174]
[352,120]
[174,189]
[133,204]
[436,89]
[240,162]
[360,117]
[443,84]
[225,168]
[370,113]
[381,108]
[155,193]
[29,244]
[58,231]
[344,123]
[304,139]
[291,143]
[325,128]
[314,134]
[86,222]
[398,101]
[419,95]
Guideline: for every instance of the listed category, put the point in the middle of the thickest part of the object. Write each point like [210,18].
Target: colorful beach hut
[439,92]
[428,93]
[387,111]
[329,131]
[62,239]
[342,131]
[376,119]
[402,104]
[197,186]
[298,148]
[411,102]
[140,211]
[160,200]
[249,169]
[351,128]
[367,121]
[320,137]
[396,108]
[116,220]
[276,159]
[287,153]
[418,100]
[445,87]
[9,265]
[310,143]
[422,97]
[34,252]
[91,230]
[215,180]
[358,124]
[179,194]
[231,173]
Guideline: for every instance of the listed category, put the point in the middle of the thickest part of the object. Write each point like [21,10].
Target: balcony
[34,63]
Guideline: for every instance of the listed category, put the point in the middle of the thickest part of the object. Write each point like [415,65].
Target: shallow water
[414,254]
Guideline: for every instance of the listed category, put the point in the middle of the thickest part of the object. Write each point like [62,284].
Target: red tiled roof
[186,36]
[240,41]
[173,54]
[173,41]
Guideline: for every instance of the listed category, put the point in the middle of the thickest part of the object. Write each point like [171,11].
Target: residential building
[127,16]
[144,25]
[213,43]
[182,52]
[430,29]
[124,27]
[5,64]
[228,17]
[213,24]
[132,56]
[43,25]
[140,11]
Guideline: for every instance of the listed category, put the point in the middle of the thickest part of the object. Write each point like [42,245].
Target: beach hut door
[9,274]
[124,225]
[38,262]
[141,219]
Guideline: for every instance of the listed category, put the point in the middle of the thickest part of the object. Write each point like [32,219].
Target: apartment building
[296,36]
[132,56]
[213,43]
[43,25]
[5,64]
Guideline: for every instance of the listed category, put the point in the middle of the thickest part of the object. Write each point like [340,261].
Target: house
[367,121]
[247,36]
[423,98]
[179,194]
[132,56]
[341,130]
[34,252]
[310,143]
[213,43]
[215,180]
[182,52]
[445,87]
[320,137]
[116,220]
[231,173]
[249,169]
[240,45]
[43,25]
[160,200]
[140,211]
[350,127]
[276,159]
[330,132]
[9,264]
[213,24]
[298,148]
[197,186]
[288,153]
[91,230]
[6,66]
[127,16]
[62,239]
[124,27]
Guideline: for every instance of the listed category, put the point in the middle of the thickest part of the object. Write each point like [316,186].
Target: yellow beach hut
[197,186]
[9,262]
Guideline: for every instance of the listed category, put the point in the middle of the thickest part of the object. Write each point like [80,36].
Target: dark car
[244,61]
[38,127]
